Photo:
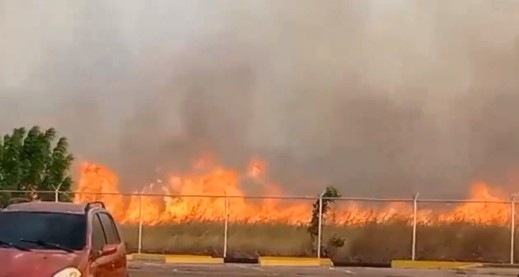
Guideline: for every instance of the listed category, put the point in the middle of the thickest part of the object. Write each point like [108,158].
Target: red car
[49,239]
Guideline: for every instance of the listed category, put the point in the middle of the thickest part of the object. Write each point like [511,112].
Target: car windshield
[47,229]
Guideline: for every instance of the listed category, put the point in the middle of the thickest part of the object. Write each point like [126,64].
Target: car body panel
[45,206]
[14,262]
[43,262]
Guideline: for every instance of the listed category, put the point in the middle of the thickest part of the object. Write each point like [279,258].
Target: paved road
[145,269]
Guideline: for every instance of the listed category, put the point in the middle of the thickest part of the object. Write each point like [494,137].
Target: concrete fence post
[139,239]
[320,227]
[512,228]
[415,221]
[226,226]
[56,193]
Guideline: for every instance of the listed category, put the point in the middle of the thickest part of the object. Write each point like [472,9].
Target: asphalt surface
[153,269]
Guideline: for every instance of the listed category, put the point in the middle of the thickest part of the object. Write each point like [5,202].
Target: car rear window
[68,230]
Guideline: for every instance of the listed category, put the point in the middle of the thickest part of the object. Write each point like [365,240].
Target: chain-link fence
[465,230]
[269,226]
[367,230]
[349,229]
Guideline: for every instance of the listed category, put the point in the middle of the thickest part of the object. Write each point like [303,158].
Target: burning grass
[373,231]
[364,243]
[208,194]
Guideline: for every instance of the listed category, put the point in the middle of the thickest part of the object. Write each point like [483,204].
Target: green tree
[30,161]
[334,242]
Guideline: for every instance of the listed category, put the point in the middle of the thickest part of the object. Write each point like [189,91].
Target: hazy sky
[382,97]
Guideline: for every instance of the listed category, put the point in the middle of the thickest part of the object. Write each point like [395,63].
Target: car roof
[47,206]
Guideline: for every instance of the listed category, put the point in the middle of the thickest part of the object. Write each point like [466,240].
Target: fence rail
[140,208]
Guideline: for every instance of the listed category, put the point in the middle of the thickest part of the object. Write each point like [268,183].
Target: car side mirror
[108,249]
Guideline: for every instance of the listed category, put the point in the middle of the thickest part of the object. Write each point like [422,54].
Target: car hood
[35,263]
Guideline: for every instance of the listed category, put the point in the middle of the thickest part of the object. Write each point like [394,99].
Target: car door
[101,266]
[113,238]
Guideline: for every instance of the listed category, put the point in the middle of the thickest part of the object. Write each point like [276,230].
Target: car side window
[112,236]
[98,235]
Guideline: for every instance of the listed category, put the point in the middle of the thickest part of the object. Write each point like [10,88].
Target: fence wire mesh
[464,231]
[269,226]
[350,229]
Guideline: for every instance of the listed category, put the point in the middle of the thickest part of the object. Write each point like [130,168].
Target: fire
[210,193]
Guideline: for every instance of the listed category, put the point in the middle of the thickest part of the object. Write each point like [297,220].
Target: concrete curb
[146,257]
[305,261]
[432,264]
[192,259]
[184,259]
[494,265]
[294,261]
[199,259]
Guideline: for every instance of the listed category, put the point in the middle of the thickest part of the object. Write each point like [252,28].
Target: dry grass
[368,243]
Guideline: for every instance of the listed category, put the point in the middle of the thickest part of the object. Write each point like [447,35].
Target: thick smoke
[375,97]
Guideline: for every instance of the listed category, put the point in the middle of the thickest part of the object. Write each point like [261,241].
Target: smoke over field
[377,98]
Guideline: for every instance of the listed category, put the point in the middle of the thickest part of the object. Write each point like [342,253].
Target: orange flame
[200,195]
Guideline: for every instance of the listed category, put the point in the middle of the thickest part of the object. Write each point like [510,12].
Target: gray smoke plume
[378,98]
